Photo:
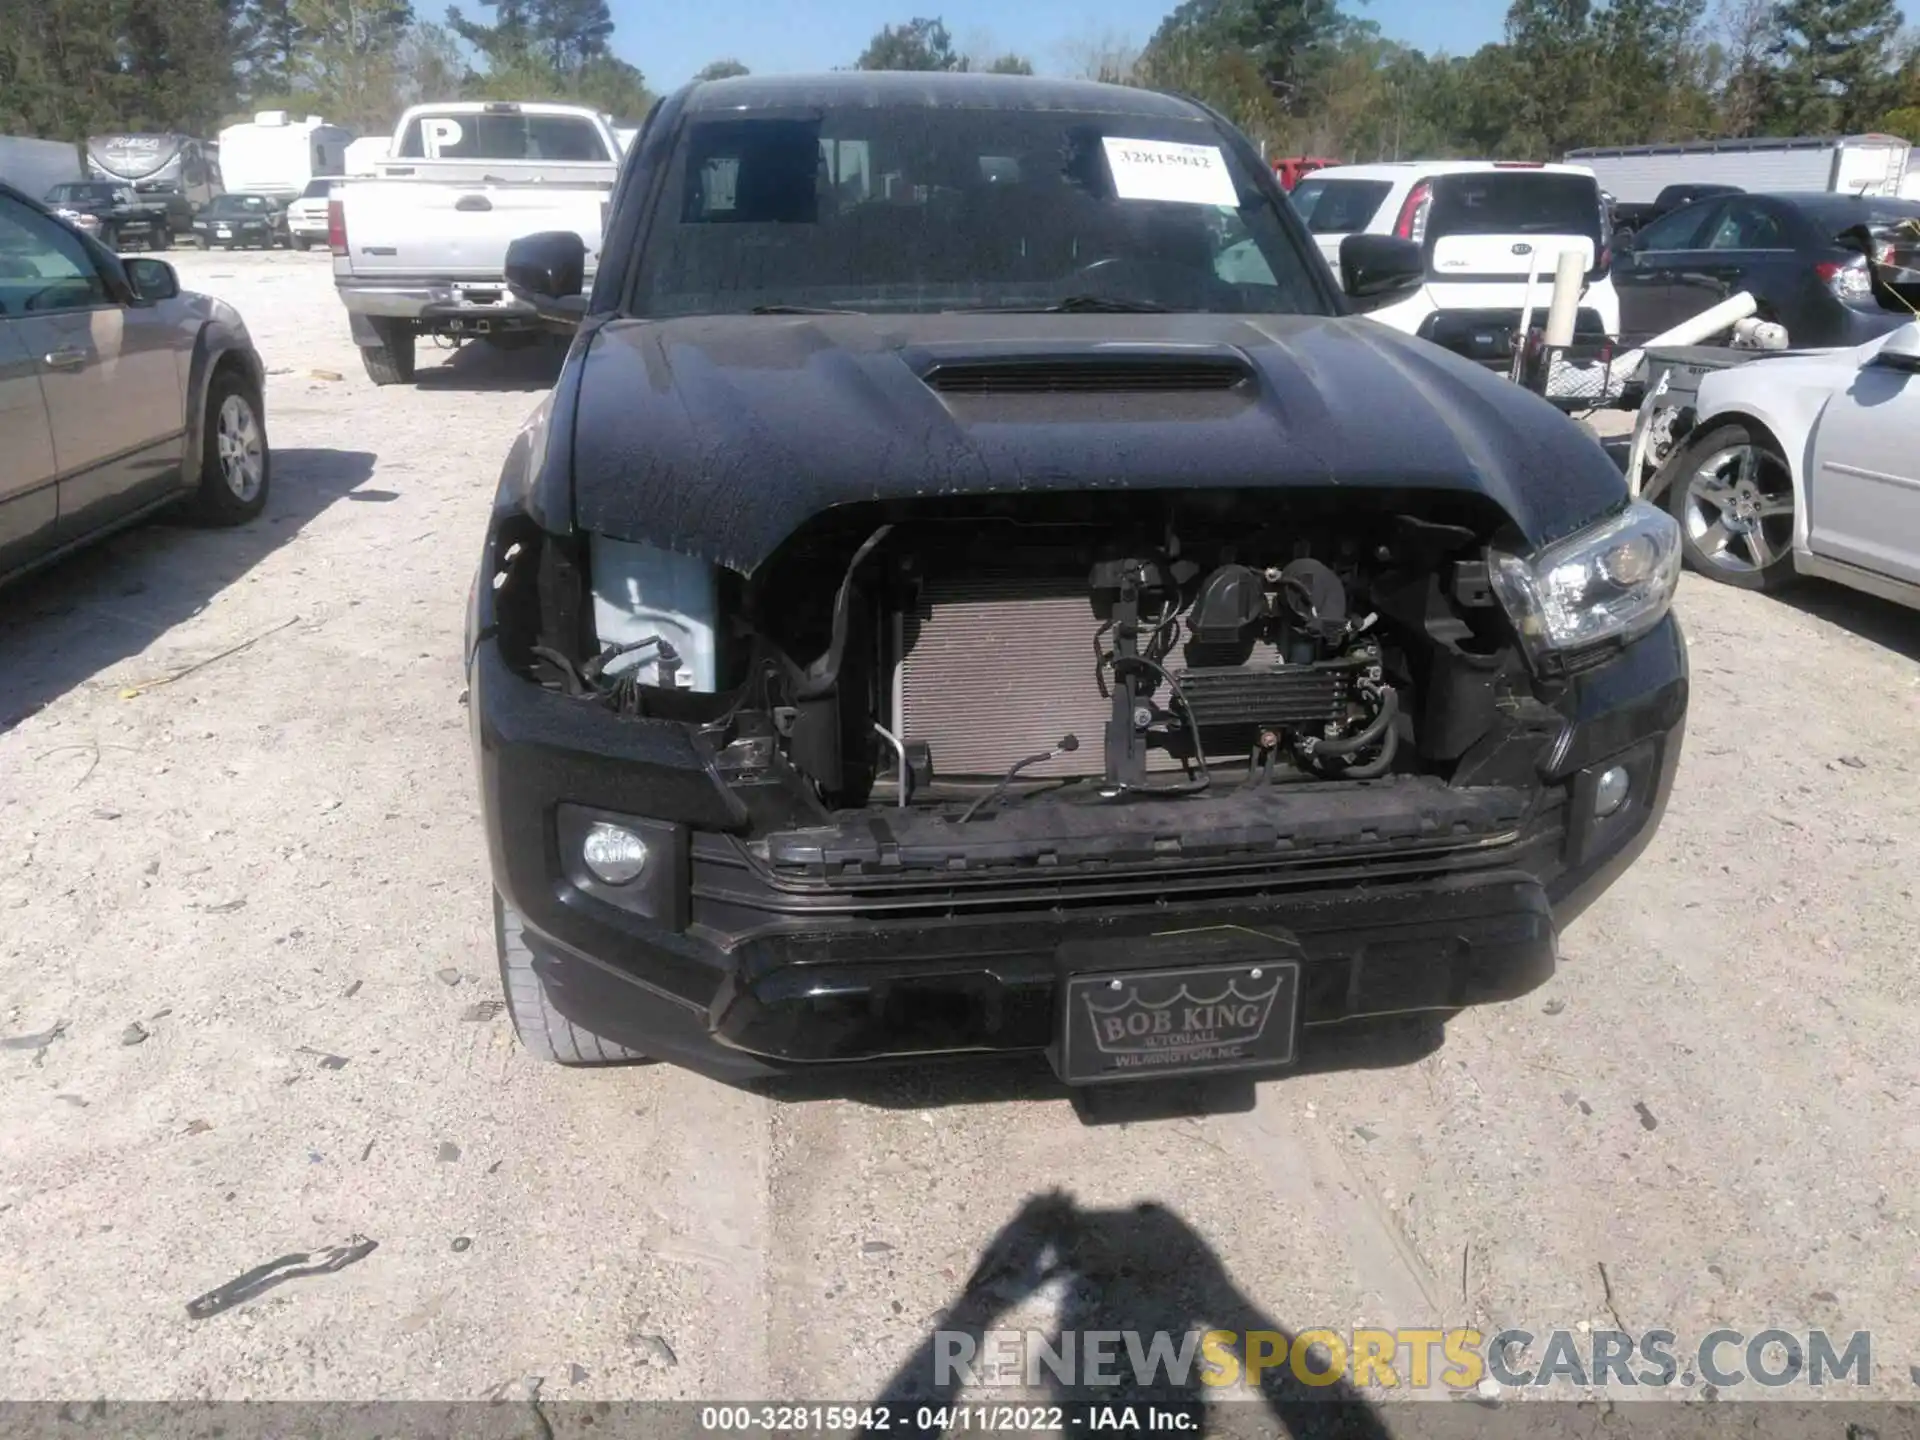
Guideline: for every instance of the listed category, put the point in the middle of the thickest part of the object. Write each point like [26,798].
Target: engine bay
[968,659]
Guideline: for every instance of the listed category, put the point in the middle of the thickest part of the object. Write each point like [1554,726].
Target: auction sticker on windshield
[1166,170]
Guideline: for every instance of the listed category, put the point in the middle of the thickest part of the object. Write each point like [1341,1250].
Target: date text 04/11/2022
[881,1418]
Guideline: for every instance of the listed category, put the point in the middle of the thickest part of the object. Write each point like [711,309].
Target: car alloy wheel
[1739,510]
[238,443]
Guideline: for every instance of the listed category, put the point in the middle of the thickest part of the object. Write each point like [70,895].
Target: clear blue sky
[669,41]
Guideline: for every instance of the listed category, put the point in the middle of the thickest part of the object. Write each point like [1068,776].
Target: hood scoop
[1111,373]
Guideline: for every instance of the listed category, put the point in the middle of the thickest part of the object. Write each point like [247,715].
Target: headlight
[1612,581]
[639,593]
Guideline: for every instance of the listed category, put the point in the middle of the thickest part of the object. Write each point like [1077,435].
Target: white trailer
[275,155]
[34,167]
[364,155]
[1850,164]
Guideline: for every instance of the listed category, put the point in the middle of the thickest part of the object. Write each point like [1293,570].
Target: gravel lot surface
[252,902]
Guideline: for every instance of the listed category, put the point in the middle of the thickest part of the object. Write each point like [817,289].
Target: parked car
[1805,464]
[937,610]
[120,394]
[239,221]
[1628,218]
[307,216]
[1482,226]
[112,214]
[1783,248]
[422,248]
[1292,169]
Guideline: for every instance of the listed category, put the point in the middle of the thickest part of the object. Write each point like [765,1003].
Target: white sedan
[1806,464]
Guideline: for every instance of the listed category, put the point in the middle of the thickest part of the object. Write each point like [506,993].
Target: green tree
[917,45]
[1008,64]
[177,62]
[430,66]
[59,70]
[351,62]
[507,41]
[1284,41]
[552,50]
[572,32]
[1835,59]
[721,70]
[272,41]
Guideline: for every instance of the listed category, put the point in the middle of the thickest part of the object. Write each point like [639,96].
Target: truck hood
[719,436]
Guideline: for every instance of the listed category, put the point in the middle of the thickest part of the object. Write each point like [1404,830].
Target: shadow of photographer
[1143,1271]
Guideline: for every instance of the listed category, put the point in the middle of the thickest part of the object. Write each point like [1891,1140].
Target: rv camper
[364,155]
[171,170]
[275,155]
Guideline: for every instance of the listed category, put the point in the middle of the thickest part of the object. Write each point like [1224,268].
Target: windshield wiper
[1075,305]
[803,310]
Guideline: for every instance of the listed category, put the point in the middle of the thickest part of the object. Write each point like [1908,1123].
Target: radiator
[993,670]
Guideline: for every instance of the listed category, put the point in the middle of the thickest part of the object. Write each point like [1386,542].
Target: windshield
[85,193]
[238,205]
[1515,203]
[915,208]
[317,190]
[507,136]
[1339,207]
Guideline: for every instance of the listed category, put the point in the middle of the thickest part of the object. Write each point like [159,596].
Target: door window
[1743,225]
[43,266]
[1681,230]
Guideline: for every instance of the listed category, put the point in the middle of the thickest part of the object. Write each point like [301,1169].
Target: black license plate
[1186,1003]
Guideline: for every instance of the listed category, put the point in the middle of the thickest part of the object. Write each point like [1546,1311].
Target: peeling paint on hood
[719,436]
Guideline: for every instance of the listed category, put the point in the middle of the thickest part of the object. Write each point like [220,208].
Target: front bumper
[740,971]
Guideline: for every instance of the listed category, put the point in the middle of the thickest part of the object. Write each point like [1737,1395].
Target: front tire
[391,361]
[542,1029]
[235,462]
[1732,493]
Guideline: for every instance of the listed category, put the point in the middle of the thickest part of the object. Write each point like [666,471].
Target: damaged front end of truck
[774,782]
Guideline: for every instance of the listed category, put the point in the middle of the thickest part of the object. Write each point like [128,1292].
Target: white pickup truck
[421,246]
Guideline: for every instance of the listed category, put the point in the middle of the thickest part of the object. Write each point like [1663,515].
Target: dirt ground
[251,904]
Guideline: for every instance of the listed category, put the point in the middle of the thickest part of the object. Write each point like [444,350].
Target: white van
[1483,224]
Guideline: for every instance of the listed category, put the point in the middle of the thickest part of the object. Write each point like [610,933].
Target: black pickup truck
[112,213]
[975,587]
[1628,219]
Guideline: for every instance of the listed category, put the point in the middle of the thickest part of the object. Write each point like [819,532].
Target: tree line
[1314,77]
[72,68]
[1300,76]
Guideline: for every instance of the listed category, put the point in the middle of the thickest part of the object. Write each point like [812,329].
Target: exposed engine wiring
[1068,744]
[597,665]
[575,686]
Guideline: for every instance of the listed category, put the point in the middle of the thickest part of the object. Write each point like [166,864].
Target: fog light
[1608,796]
[613,853]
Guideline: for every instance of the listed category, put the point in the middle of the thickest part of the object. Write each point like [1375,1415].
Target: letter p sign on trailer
[438,133]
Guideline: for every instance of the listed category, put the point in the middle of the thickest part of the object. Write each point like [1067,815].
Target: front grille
[1097,375]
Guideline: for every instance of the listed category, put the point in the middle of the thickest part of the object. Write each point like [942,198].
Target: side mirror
[1379,268]
[1902,350]
[151,279]
[1622,242]
[548,271]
